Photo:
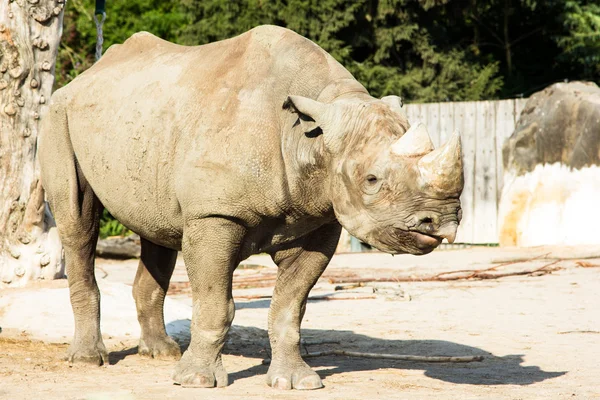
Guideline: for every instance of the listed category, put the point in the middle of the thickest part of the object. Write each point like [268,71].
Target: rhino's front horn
[442,169]
[415,141]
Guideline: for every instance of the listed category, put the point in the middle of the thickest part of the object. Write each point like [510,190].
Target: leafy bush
[109,226]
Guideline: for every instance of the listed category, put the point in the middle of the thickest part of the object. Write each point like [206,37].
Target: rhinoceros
[259,143]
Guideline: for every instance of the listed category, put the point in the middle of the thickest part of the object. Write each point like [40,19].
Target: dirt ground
[539,334]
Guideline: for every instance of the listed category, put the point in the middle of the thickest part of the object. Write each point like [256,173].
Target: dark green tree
[124,18]
[384,43]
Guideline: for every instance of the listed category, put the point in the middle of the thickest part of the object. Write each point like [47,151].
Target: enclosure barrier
[483,126]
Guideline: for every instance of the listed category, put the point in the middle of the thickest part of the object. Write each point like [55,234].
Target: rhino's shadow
[493,370]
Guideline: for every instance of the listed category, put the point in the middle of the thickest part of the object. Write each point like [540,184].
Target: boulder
[552,169]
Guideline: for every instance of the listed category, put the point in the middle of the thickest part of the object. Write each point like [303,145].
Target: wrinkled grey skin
[202,149]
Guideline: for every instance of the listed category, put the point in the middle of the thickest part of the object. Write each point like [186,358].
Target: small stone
[45,260]
[26,132]
[10,15]
[36,115]
[42,100]
[2,28]
[57,10]
[20,271]
[33,1]
[46,65]
[3,66]
[17,93]
[20,102]
[3,84]
[34,83]
[10,110]
[14,205]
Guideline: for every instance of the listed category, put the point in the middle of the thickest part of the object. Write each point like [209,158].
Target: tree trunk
[30,33]
[507,49]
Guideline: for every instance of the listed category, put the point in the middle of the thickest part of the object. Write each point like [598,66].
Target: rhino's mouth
[398,241]
[424,241]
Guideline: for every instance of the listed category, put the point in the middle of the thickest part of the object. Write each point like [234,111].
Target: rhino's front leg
[210,251]
[299,269]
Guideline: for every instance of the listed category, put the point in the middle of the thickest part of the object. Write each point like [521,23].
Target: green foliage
[111,227]
[381,43]
[581,41]
[425,50]
[124,18]
[422,50]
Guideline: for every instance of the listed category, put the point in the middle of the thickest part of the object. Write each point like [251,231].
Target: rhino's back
[159,128]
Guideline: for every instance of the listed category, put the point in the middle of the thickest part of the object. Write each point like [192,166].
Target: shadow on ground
[493,370]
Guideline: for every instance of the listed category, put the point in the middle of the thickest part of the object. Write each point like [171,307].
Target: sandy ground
[539,335]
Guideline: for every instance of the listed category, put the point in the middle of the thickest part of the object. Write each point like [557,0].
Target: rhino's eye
[372,179]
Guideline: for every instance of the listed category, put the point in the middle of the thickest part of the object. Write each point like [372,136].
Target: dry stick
[256,297]
[253,297]
[478,274]
[341,297]
[474,273]
[540,269]
[436,359]
[350,279]
[103,270]
[254,278]
[252,285]
[263,281]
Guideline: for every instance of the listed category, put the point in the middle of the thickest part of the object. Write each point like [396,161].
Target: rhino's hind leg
[210,250]
[149,290]
[299,269]
[78,224]
[77,211]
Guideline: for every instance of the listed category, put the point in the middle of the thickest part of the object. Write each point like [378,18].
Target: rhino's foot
[298,376]
[195,373]
[163,348]
[95,354]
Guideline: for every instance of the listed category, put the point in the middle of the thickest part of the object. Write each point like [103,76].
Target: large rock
[552,174]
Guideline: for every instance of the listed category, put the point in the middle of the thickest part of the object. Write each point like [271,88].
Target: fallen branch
[477,273]
[103,271]
[258,297]
[434,359]
[253,297]
[341,297]
[544,270]
[463,274]
[585,264]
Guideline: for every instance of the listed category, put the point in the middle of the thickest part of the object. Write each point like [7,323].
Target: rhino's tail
[59,170]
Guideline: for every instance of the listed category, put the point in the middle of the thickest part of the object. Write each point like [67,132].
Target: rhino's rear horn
[442,169]
[415,141]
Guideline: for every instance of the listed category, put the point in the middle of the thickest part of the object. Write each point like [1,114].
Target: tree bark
[30,32]
[507,49]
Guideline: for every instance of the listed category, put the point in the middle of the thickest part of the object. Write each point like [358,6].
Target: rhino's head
[389,187]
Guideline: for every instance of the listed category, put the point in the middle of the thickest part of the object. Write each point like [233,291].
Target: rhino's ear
[395,103]
[318,118]
[310,112]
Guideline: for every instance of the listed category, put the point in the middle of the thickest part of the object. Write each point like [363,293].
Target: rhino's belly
[132,176]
